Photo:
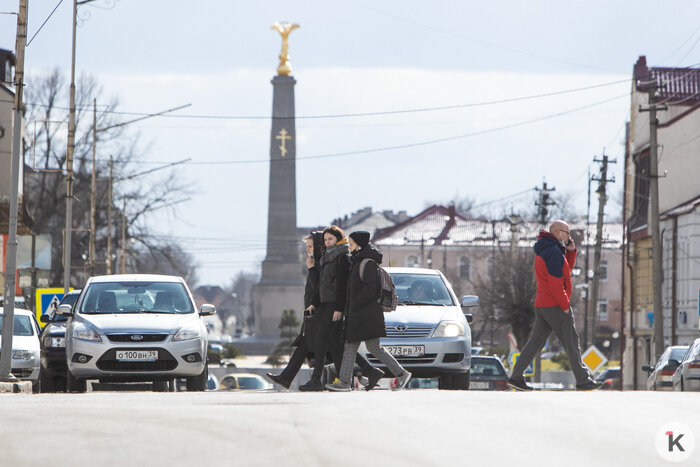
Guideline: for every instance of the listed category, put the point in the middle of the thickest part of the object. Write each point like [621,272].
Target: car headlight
[25,355]
[186,334]
[449,329]
[86,334]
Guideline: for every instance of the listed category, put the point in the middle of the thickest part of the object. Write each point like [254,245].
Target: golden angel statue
[285,67]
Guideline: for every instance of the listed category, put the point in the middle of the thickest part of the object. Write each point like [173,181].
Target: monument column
[281,284]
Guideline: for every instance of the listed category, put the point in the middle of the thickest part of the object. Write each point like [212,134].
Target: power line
[366,114]
[45,21]
[421,143]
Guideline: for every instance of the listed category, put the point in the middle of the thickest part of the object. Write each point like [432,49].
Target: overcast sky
[353,57]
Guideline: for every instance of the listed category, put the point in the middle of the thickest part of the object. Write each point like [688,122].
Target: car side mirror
[65,310]
[207,310]
[674,362]
[469,301]
[647,368]
[45,318]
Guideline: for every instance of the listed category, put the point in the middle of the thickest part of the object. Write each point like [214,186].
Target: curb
[16,388]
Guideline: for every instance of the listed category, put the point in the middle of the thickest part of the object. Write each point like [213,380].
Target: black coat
[364,316]
[309,327]
[333,276]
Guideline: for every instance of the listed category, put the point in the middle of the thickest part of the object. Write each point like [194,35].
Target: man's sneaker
[338,385]
[402,381]
[314,385]
[589,385]
[373,379]
[519,385]
[278,379]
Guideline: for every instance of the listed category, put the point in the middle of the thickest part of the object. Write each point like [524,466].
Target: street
[379,428]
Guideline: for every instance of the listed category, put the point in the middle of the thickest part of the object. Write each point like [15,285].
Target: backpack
[387,290]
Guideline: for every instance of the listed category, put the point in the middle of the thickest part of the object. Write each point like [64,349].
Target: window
[463,266]
[641,192]
[603,271]
[412,261]
[603,310]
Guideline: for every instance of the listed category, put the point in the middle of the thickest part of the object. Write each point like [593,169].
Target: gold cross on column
[283,136]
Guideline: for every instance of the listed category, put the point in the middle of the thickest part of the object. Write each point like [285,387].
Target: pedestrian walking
[555,256]
[305,341]
[333,275]
[364,320]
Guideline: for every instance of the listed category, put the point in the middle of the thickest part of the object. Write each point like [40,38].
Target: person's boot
[279,380]
[373,379]
[518,384]
[589,385]
[313,385]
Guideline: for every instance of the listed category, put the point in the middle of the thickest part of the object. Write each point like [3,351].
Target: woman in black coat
[364,320]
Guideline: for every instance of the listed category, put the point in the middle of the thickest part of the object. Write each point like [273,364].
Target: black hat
[361,237]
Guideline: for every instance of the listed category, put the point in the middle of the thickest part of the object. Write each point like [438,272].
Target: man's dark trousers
[562,323]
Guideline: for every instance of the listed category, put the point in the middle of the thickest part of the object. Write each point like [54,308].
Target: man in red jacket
[556,255]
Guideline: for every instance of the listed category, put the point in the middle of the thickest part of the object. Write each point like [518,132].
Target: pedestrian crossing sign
[47,301]
[529,371]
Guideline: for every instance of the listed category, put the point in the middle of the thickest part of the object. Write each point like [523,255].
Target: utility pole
[543,202]
[122,258]
[542,215]
[587,265]
[11,258]
[592,321]
[69,164]
[109,220]
[657,274]
[93,190]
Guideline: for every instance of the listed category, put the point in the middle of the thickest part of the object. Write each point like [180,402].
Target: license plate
[405,350]
[137,355]
[479,385]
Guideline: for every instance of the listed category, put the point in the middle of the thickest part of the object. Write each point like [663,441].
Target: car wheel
[460,381]
[682,389]
[198,383]
[445,382]
[36,387]
[160,386]
[74,384]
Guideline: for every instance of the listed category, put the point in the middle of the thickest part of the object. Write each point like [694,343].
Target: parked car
[661,375]
[20,302]
[53,347]
[611,378]
[488,373]
[429,332]
[687,375]
[244,381]
[139,327]
[26,362]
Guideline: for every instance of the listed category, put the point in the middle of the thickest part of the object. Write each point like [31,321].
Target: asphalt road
[377,428]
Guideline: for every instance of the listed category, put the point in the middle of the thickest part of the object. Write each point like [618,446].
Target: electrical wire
[361,114]
[417,144]
[45,21]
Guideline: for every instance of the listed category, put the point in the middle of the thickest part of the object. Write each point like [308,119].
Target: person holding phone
[555,256]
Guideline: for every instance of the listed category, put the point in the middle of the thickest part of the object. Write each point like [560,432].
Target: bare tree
[45,183]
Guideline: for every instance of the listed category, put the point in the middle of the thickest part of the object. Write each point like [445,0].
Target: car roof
[426,271]
[136,278]
[21,311]
[483,357]
[238,375]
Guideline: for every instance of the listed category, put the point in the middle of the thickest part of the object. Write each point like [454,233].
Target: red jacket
[553,265]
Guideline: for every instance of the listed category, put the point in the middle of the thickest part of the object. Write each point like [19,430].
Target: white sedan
[687,376]
[26,361]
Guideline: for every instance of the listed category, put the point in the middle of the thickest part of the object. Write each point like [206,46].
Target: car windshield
[677,354]
[22,326]
[421,289]
[248,382]
[136,297]
[487,367]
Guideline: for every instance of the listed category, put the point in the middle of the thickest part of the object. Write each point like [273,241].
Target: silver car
[26,362]
[687,375]
[138,327]
[428,333]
